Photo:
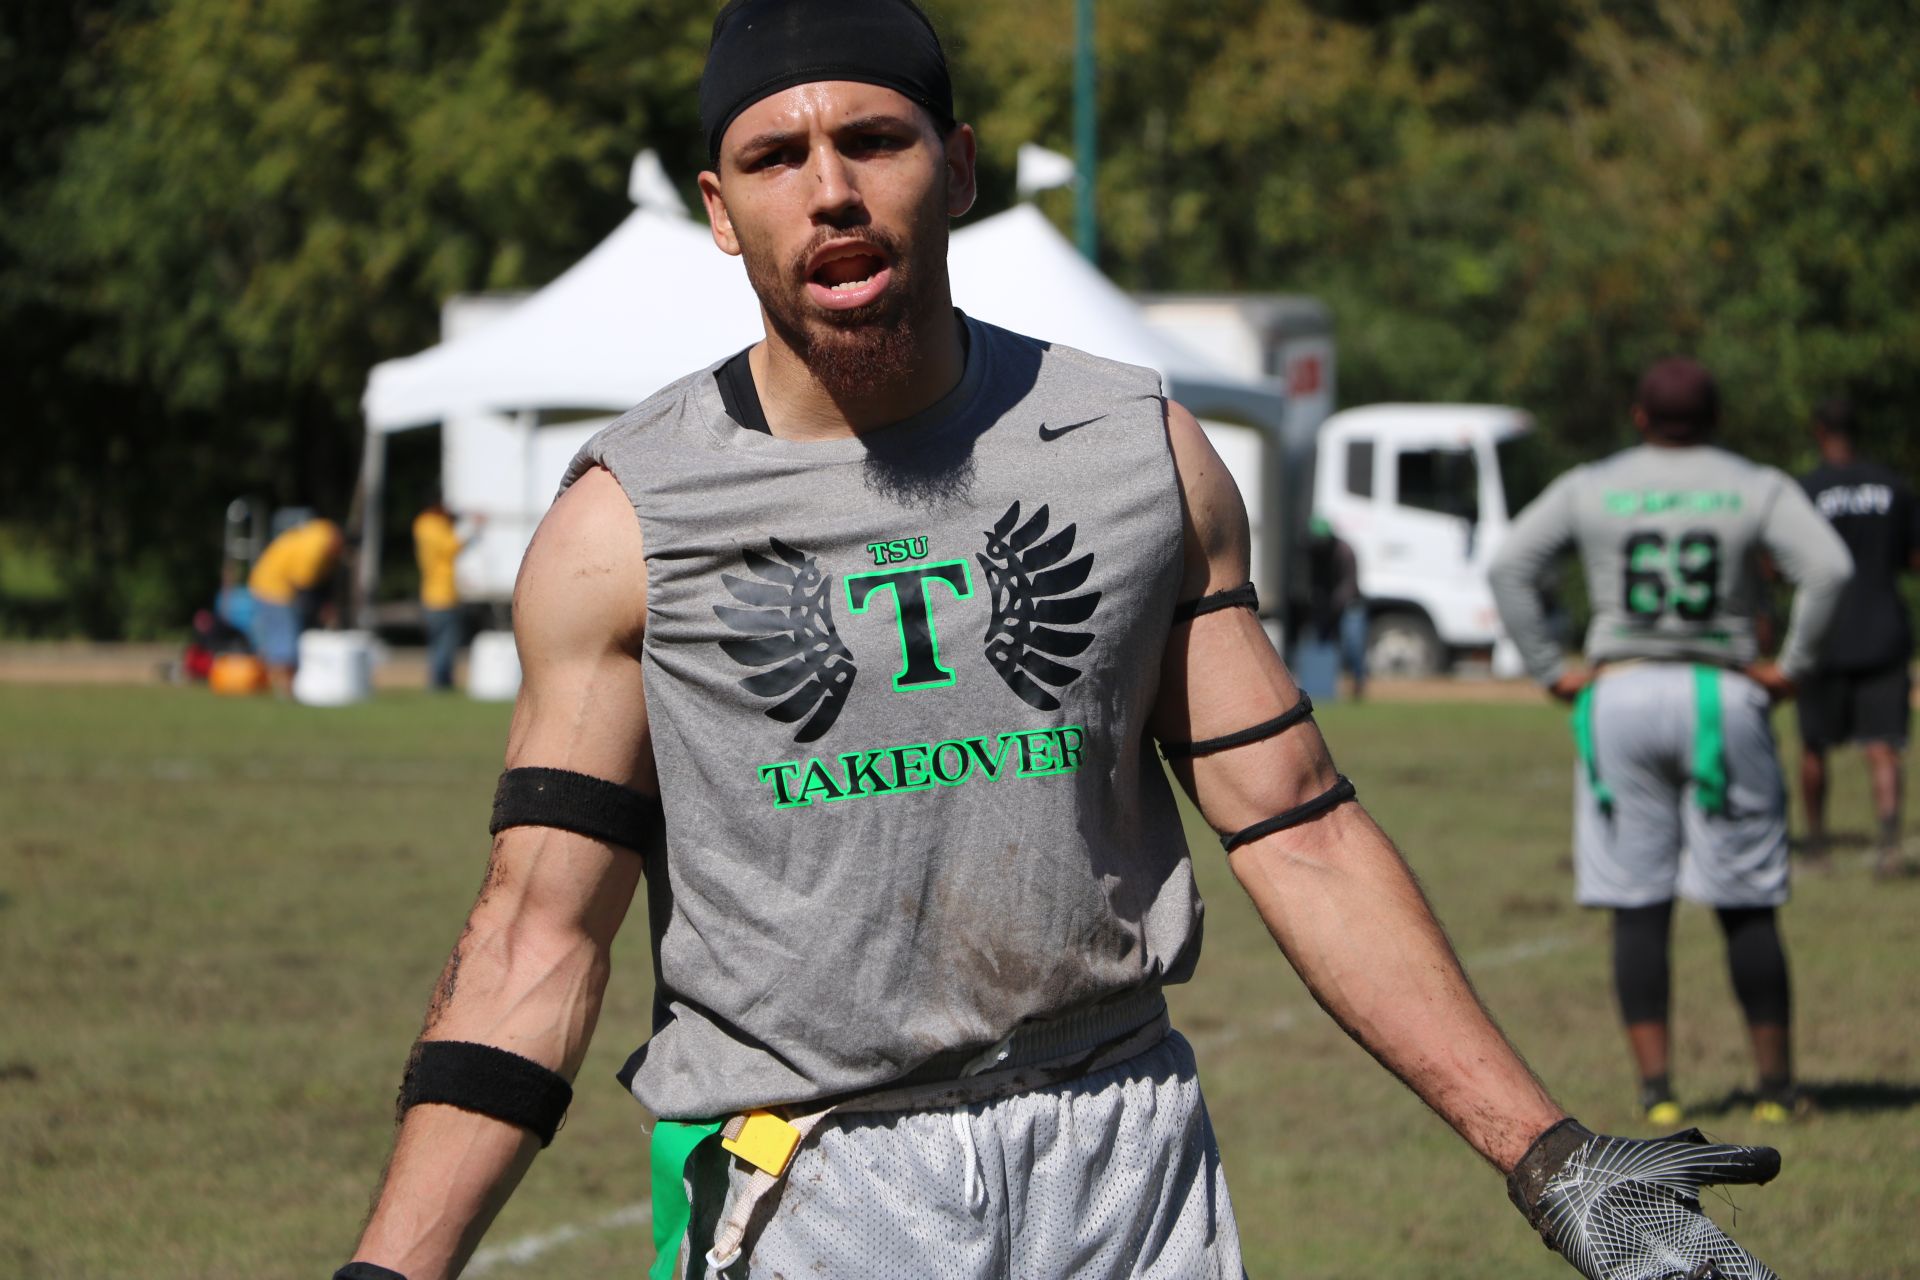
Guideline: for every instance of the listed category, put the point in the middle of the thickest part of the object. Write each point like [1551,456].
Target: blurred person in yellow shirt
[436,545]
[289,584]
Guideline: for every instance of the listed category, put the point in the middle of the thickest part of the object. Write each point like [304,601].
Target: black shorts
[1856,706]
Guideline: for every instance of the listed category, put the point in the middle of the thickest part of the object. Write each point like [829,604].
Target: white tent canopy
[653,301]
[656,299]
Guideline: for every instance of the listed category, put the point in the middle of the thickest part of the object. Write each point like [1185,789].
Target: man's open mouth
[845,275]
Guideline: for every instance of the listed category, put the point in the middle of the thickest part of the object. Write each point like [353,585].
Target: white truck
[1421,492]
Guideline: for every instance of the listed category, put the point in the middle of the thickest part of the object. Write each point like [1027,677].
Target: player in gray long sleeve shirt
[1676,750]
[1667,535]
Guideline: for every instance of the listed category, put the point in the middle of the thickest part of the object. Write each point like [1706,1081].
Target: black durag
[763,46]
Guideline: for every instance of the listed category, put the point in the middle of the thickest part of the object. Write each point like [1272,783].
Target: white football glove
[1629,1208]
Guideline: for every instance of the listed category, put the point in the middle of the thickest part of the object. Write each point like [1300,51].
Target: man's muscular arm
[529,969]
[1334,892]
[1538,535]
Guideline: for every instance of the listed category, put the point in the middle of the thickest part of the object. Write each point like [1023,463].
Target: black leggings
[1755,958]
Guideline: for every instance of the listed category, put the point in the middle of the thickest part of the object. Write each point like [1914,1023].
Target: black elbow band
[1332,798]
[489,1082]
[1240,597]
[367,1271]
[580,803]
[1301,710]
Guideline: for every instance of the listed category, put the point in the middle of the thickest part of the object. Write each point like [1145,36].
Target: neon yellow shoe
[1666,1114]
[1771,1111]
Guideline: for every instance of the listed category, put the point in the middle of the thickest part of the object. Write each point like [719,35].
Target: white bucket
[493,667]
[336,668]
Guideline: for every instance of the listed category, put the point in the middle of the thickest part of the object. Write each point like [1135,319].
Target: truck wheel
[1403,643]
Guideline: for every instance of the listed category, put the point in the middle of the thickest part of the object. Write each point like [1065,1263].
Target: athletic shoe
[1666,1114]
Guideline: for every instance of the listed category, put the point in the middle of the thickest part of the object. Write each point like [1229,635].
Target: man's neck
[799,407]
[1658,440]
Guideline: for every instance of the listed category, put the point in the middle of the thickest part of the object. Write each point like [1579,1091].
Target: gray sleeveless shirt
[899,689]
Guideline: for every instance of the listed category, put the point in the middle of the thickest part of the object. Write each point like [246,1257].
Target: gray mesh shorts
[1113,1174]
[1658,840]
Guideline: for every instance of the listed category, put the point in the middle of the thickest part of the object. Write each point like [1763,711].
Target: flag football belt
[1033,1057]
[1709,762]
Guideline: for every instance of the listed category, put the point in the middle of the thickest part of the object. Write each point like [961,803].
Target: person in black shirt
[1861,690]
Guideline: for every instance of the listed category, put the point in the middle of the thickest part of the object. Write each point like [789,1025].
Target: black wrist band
[487,1081]
[366,1271]
[580,803]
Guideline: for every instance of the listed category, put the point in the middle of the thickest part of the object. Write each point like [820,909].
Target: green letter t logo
[913,612]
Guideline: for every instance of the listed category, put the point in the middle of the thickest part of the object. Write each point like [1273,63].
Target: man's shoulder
[688,401]
[1859,471]
[669,403]
[1019,356]
[1715,464]
[1647,477]
[1876,473]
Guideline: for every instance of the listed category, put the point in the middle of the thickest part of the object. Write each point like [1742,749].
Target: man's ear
[961,186]
[717,218]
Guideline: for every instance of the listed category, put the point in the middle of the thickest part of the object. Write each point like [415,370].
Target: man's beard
[854,352]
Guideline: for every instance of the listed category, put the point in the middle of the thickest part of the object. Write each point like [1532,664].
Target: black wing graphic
[1031,605]
[789,630]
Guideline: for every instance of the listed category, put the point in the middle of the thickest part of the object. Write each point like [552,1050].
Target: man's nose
[836,191]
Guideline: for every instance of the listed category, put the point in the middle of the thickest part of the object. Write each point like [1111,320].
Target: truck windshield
[1524,470]
[1443,480]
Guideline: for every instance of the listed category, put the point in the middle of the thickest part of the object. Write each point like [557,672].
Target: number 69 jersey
[1669,538]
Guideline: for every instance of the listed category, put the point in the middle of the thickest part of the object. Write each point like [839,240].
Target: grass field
[219,922]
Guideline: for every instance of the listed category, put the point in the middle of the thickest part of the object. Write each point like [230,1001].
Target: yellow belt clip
[764,1141]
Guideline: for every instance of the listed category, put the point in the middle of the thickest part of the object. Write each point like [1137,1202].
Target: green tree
[219,214]
[266,197]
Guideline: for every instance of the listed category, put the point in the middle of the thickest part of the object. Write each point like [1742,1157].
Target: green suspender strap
[673,1146]
[1583,746]
[1709,742]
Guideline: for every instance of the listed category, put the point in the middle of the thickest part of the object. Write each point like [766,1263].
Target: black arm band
[577,802]
[1332,798]
[1292,716]
[488,1081]
[367,1271]
[1240,597]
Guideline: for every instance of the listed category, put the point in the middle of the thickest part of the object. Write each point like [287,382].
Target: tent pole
[373,476]
[1086,127]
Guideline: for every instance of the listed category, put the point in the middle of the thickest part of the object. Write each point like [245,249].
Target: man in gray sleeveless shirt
[1678,787]
[889,612]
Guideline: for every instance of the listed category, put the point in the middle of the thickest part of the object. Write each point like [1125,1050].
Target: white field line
[1284,1020]
[531,1248]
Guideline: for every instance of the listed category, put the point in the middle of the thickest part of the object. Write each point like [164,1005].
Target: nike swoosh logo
[1057,432]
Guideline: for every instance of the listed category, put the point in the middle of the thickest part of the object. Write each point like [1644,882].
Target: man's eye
[776,158]
[877,142]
